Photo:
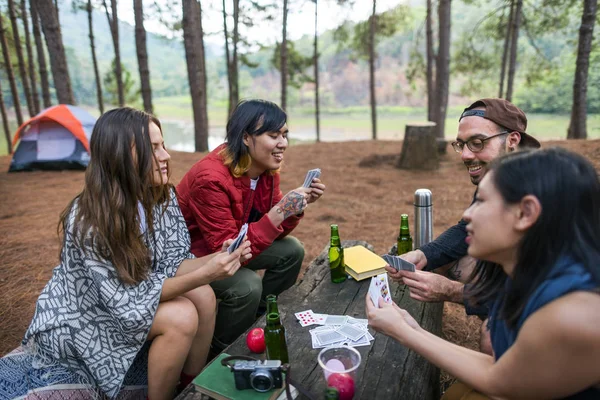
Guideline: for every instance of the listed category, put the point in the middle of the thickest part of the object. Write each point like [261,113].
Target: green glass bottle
[275,339]
[336,257]
[272,304]
[404,238]
[332,393]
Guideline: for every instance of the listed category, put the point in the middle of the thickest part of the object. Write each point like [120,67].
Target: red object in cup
[344,383]
[255,340]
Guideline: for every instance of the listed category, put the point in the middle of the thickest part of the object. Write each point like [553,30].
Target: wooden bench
[388,369]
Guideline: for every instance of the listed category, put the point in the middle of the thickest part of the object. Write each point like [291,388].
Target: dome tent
[57,138]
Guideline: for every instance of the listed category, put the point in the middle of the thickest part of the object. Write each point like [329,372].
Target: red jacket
[215,205]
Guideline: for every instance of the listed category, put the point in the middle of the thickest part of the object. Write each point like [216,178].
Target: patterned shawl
[88,320]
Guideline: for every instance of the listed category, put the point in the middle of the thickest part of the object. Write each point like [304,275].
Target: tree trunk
[512,64]
[142,55]
[194,54]
[113,22]
[11,75]
[419,147]
[227,60]
[505,51]
[577,127]
[56,49]
[22,71]
[316,62]
[30,61]
[41,57]
[235,84]
[283,54]
[430,64]
[94,59]
[372,23]
[442,81]
[5,123]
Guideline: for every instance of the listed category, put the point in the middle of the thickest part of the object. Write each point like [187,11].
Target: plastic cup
[339,366]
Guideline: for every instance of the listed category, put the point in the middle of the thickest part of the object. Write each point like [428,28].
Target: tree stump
[420,147]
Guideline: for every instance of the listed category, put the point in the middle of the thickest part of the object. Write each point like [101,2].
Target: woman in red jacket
[238,183]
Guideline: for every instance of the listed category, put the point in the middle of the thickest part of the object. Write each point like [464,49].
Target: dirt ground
[366,203]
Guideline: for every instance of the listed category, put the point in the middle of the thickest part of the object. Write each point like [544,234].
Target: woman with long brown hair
[126,275]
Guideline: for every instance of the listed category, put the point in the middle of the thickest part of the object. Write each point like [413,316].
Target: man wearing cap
[487,129]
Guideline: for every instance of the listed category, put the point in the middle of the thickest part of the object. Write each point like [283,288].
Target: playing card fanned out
[399,263]
[310,175]
[238,240]
[379,288]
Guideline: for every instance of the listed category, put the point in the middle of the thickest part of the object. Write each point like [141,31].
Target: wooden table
[388,370]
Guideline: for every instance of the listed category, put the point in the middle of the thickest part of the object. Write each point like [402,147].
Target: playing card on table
[336,320]
[310,175]
[238,240]
[351,332]
[320,318]
[358,321]
[362,341]
[306,317]
[329,337]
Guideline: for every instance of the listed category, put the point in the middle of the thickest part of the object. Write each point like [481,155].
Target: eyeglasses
[474,144]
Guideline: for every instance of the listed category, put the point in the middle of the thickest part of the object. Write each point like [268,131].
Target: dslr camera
[261,376]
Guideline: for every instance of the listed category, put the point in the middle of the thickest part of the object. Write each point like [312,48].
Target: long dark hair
[568,189]
[119,175]
[253,117]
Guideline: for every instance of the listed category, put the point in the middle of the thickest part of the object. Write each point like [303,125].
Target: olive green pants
[240,296]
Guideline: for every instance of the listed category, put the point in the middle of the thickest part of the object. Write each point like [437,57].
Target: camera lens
[261,381]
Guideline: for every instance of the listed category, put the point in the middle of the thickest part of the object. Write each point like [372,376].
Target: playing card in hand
[310,175]
[238,240]
[399,263]
[380,288]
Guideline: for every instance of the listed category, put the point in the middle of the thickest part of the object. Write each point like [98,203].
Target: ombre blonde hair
[252,117]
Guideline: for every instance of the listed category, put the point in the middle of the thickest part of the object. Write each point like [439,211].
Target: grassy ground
[352,123]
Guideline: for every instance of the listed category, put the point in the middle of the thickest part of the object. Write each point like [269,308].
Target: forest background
[543,80]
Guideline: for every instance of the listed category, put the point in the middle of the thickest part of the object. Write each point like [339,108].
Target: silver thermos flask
[423,218]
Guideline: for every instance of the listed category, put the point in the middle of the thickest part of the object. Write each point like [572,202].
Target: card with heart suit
[379,288]
[306,318]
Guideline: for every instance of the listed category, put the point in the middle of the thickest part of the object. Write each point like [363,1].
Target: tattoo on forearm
[291,204]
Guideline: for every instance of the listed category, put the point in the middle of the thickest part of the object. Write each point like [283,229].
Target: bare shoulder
[573,316]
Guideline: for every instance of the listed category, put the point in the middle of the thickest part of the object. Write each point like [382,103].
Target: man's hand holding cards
[398,263]
[380,288]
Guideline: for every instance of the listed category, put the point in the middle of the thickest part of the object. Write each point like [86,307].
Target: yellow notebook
[361,263]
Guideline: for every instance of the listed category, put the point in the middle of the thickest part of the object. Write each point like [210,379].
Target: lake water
[179,135]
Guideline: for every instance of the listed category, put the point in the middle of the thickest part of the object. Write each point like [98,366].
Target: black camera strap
[287,368]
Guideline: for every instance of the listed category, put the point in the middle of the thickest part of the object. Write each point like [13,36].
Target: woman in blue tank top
[536,223]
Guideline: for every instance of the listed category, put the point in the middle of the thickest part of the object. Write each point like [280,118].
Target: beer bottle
[331,393]
[272,304]
[404,238]
[275,339]
[336,257]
